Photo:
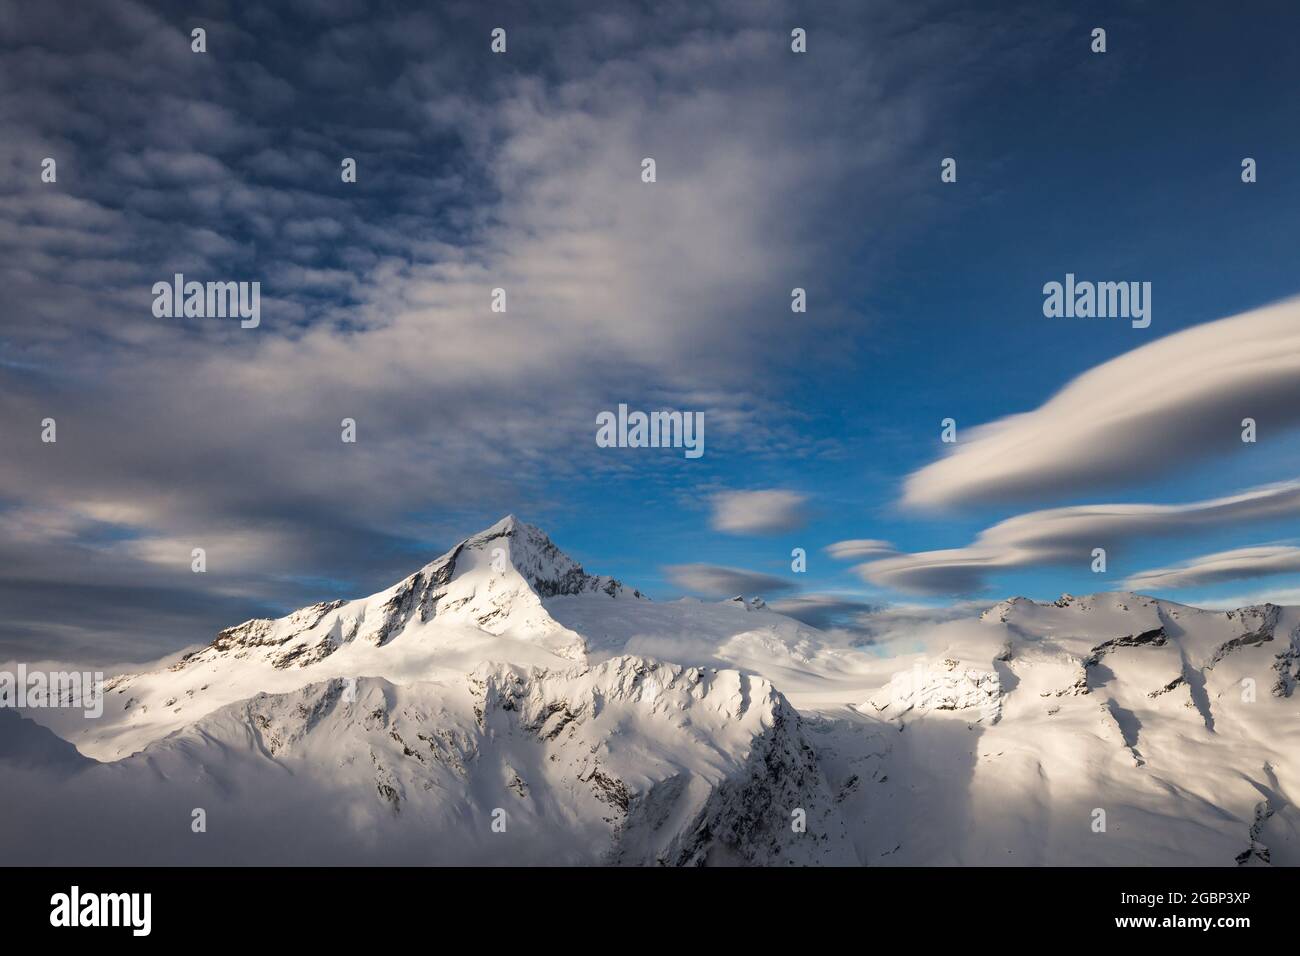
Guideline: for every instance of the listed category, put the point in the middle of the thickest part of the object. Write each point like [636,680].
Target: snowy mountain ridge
[629,762]
[502,684]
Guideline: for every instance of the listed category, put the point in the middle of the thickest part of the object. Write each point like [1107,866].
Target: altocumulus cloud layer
[473,173]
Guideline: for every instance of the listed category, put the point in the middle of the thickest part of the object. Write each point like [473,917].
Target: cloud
[375,295]
[859,548]
[823,611]
[1221,566]
[1150,411]
[712,580]
[759,512]
[1280,596]
[914,628]
[1063,535]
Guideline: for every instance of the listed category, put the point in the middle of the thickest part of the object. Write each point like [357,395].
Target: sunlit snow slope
[501,705]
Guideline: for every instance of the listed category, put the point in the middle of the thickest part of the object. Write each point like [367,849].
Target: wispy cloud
[474,172]
[759,512]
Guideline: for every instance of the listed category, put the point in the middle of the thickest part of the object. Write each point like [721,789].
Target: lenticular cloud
[1177,400]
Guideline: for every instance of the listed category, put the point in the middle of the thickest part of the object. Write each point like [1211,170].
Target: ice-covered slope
[1015,738]
[738,633]
[629,762]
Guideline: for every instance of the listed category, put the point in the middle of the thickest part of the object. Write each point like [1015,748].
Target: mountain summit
[493,581]
[480,601]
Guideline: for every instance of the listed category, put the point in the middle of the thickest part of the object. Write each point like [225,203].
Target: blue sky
[522,170]
[1123,165]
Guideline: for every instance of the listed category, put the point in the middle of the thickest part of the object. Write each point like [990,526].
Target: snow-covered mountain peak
[481,601]
[531,553]
[493,581]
